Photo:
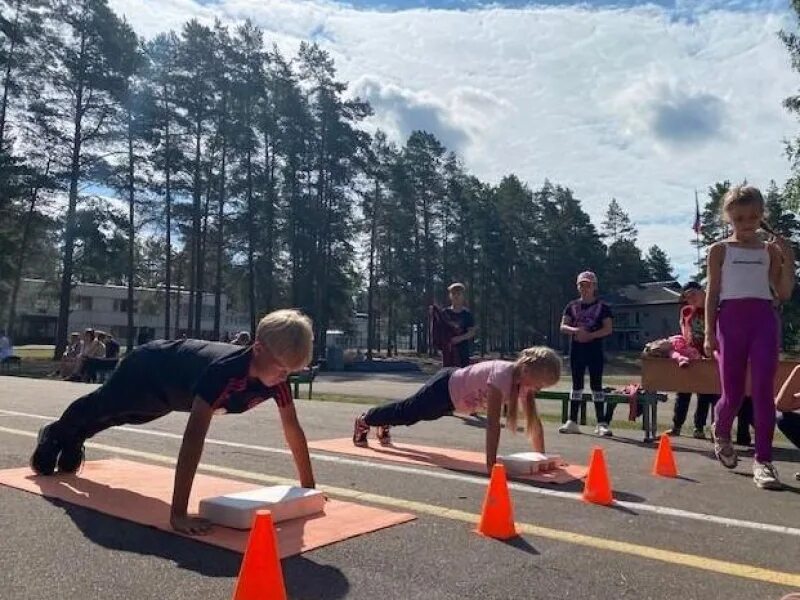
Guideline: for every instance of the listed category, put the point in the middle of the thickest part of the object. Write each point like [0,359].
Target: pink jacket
[683,352]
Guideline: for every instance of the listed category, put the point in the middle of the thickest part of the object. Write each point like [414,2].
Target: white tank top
[745,273]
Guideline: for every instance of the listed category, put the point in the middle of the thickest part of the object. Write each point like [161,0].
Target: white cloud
[642,104]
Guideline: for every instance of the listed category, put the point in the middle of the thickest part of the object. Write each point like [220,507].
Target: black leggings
[121,400]
[704,403]
[589,356]
[431,402]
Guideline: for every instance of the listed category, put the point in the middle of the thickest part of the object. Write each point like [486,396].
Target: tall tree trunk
[168,210]
[21,253]
[201,272]
[179,296]
[251,275]
[371,284]
[220,244]
[195,299]
[131,234]
[269,222]
[62,326]
[7,77]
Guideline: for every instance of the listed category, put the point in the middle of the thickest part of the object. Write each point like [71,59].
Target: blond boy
[194,376]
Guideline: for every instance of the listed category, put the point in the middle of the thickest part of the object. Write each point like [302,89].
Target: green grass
[27,353]
[344,398]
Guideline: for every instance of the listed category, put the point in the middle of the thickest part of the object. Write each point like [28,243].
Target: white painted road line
[636,507]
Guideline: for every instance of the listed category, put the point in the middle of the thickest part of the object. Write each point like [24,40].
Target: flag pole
[697,227]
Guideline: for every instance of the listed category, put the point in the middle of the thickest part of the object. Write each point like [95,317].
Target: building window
[122,305]
[83,303]
[637,318]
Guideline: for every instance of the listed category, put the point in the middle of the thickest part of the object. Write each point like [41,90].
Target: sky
[644,102]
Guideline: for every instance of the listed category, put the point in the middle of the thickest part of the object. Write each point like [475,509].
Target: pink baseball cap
[588,276]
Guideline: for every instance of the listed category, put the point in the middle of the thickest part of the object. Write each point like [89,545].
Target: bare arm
[566,328]
[470,333]
[537,431]
[188,458]
[716,255]
[788,398]
[296,439]
[684,328]
[781,268]
[493,408]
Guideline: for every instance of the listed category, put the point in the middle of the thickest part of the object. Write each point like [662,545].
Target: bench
[11,361]
[305,376]
[698,377]
[647,400]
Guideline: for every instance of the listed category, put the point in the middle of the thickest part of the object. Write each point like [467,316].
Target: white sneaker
[603,429]
[569,427]
[766,477]
[723,450]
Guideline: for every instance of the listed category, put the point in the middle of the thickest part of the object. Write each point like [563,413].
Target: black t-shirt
[112,348]
[465,321]
[214,371]
[589,316]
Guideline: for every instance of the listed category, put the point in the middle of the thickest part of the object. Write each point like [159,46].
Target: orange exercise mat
[142,493]
[447,458]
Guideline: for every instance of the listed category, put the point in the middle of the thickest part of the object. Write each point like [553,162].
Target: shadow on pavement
[303,577]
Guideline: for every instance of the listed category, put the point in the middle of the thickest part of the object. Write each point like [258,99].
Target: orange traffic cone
[497,516]
[598,484]
[260,577]
[665,460]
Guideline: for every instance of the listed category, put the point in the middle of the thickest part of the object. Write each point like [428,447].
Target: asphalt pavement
[708,534]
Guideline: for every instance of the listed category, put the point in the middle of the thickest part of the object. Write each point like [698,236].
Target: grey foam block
[283,501]
[529,463]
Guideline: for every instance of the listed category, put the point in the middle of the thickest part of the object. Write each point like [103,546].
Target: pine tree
[617,225]
[167,158]
[336,150]
[658,265]
[712,225]
[81,98]
[196,94]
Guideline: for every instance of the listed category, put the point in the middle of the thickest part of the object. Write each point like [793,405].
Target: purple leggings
[747,329]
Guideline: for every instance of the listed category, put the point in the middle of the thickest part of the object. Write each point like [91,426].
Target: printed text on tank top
[745,273]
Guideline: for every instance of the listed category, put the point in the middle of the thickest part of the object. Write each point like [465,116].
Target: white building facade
[105,307]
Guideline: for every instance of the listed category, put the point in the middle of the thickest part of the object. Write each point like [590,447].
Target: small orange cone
[597,489]
[497,516]
[665,460]
[261,577]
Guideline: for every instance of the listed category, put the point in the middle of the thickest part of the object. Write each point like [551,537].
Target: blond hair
[289,335]
[743,195]
[546,363]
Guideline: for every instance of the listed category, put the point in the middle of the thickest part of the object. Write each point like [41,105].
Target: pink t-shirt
[469,387]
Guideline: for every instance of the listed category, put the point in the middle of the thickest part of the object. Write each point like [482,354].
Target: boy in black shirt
[458,313]
[194,376]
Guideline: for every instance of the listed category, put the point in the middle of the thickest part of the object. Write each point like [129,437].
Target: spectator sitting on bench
[112,346]
[95,369]
[92,347]
[69,360]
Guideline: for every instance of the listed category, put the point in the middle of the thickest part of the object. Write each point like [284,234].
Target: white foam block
[283,501]
[529,463]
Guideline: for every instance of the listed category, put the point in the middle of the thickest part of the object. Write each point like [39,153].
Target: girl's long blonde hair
[546,363]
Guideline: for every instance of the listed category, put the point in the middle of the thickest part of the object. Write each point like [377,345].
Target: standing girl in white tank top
[745,277]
